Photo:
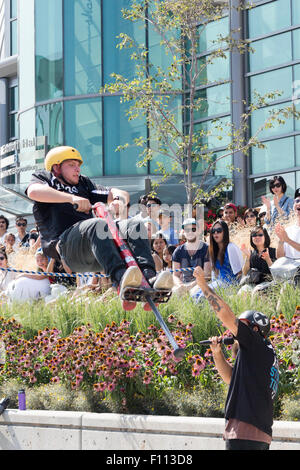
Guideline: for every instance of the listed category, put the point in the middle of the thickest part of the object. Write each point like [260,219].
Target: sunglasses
[276,185]
[192,229]
[257,235]
[21,224]
[217,230]
[150,205]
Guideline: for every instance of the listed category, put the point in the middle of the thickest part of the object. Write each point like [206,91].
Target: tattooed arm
[222,310]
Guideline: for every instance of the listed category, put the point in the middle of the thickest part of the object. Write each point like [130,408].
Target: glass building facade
[66,52]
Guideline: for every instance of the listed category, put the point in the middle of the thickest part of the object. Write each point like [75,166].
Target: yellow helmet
[58,155]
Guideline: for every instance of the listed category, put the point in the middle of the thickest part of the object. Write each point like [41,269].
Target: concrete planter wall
[59,430]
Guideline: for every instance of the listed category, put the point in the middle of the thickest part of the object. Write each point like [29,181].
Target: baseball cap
[190,221]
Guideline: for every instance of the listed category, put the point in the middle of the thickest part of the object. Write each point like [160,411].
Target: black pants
[88,246]
[241,444]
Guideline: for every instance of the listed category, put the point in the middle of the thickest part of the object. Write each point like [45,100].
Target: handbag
[254,276]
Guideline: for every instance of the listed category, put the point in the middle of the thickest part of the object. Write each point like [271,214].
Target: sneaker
[131,278]
[164,281]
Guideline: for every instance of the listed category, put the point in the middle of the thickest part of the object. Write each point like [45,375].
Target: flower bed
[119,366]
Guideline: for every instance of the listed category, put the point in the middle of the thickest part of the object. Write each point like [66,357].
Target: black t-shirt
[259,263]
[53,219]
[254,381]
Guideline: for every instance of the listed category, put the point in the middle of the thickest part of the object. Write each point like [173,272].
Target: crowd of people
[236,249]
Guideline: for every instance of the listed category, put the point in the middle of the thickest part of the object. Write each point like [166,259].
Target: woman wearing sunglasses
[226,258]
[258,261]
[282,205]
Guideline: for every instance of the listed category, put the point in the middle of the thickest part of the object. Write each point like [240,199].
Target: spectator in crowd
[230,213]
[166,229]
[281,205]
[167,256]
[226,258]
[192,253]
[142,214]
[251,218]
[29,287]
[258,261]
[22,238]
[119,208]
[4,224]
[151,229]
[220,213]
[6,277]
[182,237]
[34,240]
[158,244]
[289,237]
[9,241]
[153,207]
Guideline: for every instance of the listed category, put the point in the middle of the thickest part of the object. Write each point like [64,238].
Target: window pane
[83,130]
[214,100]
[13,8]
[296,11]
[211,32]
[116,60]
[216,132]
[270,52]
[277,155]
[13,126]
[296,40]
[119,131]
[13,37]
[216,71]
[222,166]
[82,30]
[49,123]
[261,119]
[268,18]
[297,140]
[13,98]
[49,49]
[278,80]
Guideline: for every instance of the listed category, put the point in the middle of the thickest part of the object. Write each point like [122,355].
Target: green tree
[165,95]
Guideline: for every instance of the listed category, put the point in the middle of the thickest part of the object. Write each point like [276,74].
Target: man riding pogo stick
[69,232]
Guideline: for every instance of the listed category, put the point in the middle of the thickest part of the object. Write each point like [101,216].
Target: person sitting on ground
[4,224]
[6,276]
[258,261]
[22,238]
[158,244]
[226,259]
[167,256]
[281,206]
[192,253]
[29,287]
[166,228]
